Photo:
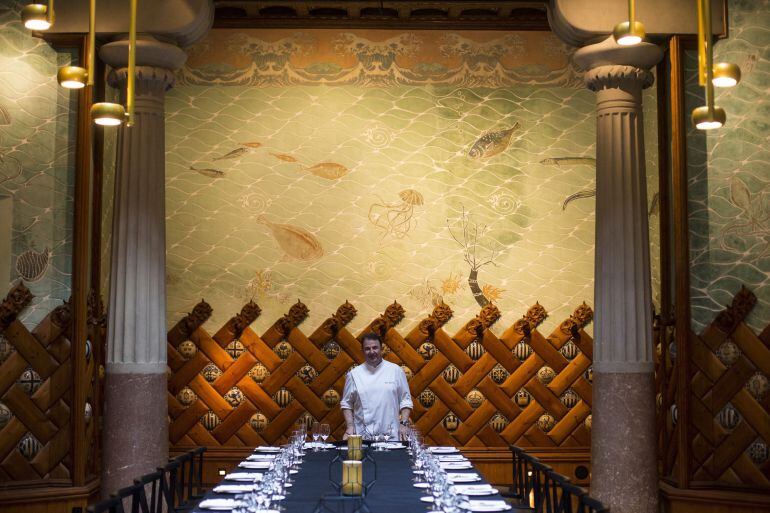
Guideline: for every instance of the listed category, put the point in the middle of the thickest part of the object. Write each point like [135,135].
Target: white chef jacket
[376,395]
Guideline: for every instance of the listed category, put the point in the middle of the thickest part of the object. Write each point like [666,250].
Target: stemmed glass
[386,435]
[325,431]
[316,433]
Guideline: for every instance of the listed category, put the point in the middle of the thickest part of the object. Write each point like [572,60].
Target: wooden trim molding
[678,500]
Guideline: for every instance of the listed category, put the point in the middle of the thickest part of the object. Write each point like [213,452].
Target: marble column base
[624,467]
[135,430]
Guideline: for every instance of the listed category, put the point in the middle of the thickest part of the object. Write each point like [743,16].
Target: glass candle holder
[352,478]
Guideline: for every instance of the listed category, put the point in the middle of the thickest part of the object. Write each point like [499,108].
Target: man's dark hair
[371,336]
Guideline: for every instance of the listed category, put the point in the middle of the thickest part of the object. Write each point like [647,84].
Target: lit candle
[352,477]
[354,447]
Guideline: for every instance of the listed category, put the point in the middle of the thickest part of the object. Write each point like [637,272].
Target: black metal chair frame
[552,492]
[177,486]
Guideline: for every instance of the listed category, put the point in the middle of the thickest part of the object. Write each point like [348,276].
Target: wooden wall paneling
[681,258]
[729,411]
[243,389]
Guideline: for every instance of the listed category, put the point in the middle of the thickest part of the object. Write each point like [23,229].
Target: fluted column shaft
[135,417]
[623,439]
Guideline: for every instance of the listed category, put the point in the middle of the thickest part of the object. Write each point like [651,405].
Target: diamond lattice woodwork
[36,383]
[471,389]
[730,399]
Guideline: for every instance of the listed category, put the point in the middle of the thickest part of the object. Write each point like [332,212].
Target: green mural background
[729,183]
[375,166]
[37,172]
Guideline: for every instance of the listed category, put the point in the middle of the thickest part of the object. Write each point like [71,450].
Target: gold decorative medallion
[427,398]
[451,374]
[523,398]
[210,420]
[451,422]
[234,397]
[235,349]
[307,374]
[258,373]
[187,349]
[545,375]
[283,350]
[283,397]
[522,350]
[211,372]
[475,350]
[474,398]
[186,396]
[546,422]
[427,351]
[498,374]
[258,422]
[498,422]
[331,398]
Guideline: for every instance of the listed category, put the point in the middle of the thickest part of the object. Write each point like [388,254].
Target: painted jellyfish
[396,218]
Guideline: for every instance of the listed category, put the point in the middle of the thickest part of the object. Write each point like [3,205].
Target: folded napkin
[256,464]
[261,457]
[234,488]
[443,450]
[244,476]
[452,457]
[455,465]
[220,504]
[489,505]
[472,488]
[267,448]
[460,477]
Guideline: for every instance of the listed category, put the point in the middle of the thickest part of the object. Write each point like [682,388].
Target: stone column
[623,438]
[135,415]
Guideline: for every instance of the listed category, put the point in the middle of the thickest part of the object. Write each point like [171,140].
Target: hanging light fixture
[629,32]
[76,77]
[38,16]
[113,114]
[724,74]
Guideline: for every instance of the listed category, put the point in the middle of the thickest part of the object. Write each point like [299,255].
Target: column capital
[608,53]
[618,77]
[150,80]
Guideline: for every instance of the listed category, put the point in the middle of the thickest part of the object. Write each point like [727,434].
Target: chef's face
[372,351]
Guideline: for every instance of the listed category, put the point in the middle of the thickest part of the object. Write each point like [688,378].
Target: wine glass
[326,430]
[316,434]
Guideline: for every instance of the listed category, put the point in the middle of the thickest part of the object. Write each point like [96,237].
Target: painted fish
[231,154]
[210,172]
[654,205]
[252,144]
[569,161]
[5,116]
[297,243]
[284,156]
[328,170]
[492,143]
[585,193]
[32,265]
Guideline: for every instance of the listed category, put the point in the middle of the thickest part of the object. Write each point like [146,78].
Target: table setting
[388,476]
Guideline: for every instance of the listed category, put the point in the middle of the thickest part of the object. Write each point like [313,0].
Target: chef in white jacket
[376,398]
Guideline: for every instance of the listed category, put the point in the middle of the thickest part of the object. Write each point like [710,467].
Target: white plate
[256,464]
[244,476]
[485,506]
[426,499]
[234,488]
[220,504]
[421,485]
[443,450]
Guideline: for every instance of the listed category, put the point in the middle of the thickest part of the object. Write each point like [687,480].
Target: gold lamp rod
[705,49]
[631,12]
[91,42]
[131,86]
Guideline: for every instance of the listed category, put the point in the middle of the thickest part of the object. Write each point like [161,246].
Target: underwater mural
[330,165]
[37,171]
[728,182]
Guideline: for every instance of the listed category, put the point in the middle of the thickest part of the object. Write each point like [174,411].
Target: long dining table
[394,490]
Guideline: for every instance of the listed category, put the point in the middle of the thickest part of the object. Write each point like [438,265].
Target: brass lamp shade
[108,114]
[705,119]
[627,34]
[726,74]
[72,77]
[35,17]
